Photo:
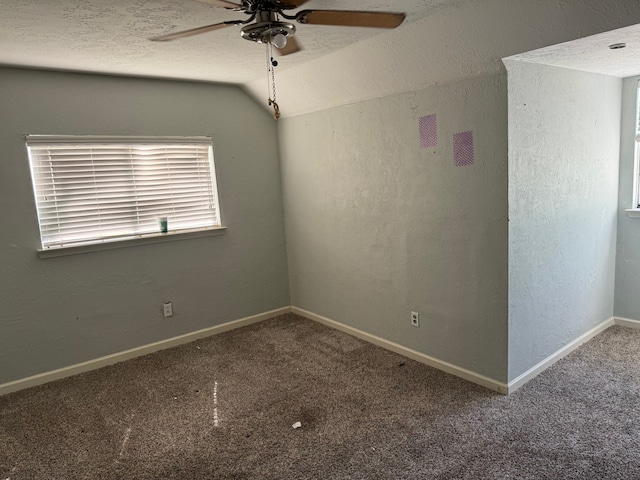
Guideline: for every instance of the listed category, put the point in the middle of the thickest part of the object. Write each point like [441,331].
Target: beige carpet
[223,408]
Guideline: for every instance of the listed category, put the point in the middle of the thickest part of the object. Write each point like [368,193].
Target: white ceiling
[111,36]
[592,54]
[441,41]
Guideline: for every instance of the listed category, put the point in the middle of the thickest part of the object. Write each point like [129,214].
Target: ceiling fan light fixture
[279,40]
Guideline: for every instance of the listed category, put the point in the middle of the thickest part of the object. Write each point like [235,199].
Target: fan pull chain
[276,108]
[267,45]
[271,81]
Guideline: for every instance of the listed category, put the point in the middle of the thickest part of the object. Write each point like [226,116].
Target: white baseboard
[463,373]
[626,322]
[135,352]
[563,352]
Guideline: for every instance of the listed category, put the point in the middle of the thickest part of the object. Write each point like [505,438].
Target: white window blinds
[98,189]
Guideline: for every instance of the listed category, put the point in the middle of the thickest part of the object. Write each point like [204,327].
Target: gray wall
[378,227]
[627,304]
[564,135]
[61,311]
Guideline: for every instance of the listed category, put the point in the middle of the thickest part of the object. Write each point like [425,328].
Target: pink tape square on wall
[463,154]
[428,131]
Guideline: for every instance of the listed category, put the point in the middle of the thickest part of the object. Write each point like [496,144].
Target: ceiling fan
[268,23]
[264,24]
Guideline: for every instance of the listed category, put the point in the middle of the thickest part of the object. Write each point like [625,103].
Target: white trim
[636,159]
[627,322]
[463,373]
[633,212]
[563,352]
[135,352]
[108,139]
[147,239]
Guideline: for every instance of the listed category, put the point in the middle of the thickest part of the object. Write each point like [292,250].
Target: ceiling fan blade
[348,18]
[224,4]
[292,46]
[195,31]
[293,3]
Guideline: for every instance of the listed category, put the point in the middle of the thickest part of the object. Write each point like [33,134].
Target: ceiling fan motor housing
[266,27]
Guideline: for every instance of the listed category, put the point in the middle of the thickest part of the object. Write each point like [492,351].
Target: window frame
[636,154]
[132,238]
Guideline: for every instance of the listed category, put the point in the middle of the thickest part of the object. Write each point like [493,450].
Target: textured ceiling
[111,36]
[441,41]
[592,54]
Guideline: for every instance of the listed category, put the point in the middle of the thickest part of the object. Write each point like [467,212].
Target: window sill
[633,212]
[132,242]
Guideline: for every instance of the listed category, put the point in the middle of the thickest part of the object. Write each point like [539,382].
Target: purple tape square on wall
[428,131]
[463,149]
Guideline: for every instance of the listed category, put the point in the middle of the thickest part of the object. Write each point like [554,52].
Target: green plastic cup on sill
[164,224]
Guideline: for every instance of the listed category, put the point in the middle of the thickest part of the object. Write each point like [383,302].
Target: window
[92,190]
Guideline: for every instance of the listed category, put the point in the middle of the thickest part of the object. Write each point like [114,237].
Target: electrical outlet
[167,309]
[415,319]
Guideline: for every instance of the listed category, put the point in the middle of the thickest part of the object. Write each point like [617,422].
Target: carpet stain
[125,440]
[215,404]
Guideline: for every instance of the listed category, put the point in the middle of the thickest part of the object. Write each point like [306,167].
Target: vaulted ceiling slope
[441,41]
[467,40]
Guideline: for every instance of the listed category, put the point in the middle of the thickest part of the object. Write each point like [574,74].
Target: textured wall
[60,311]
[627,303]
[564,133]
[378,226]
